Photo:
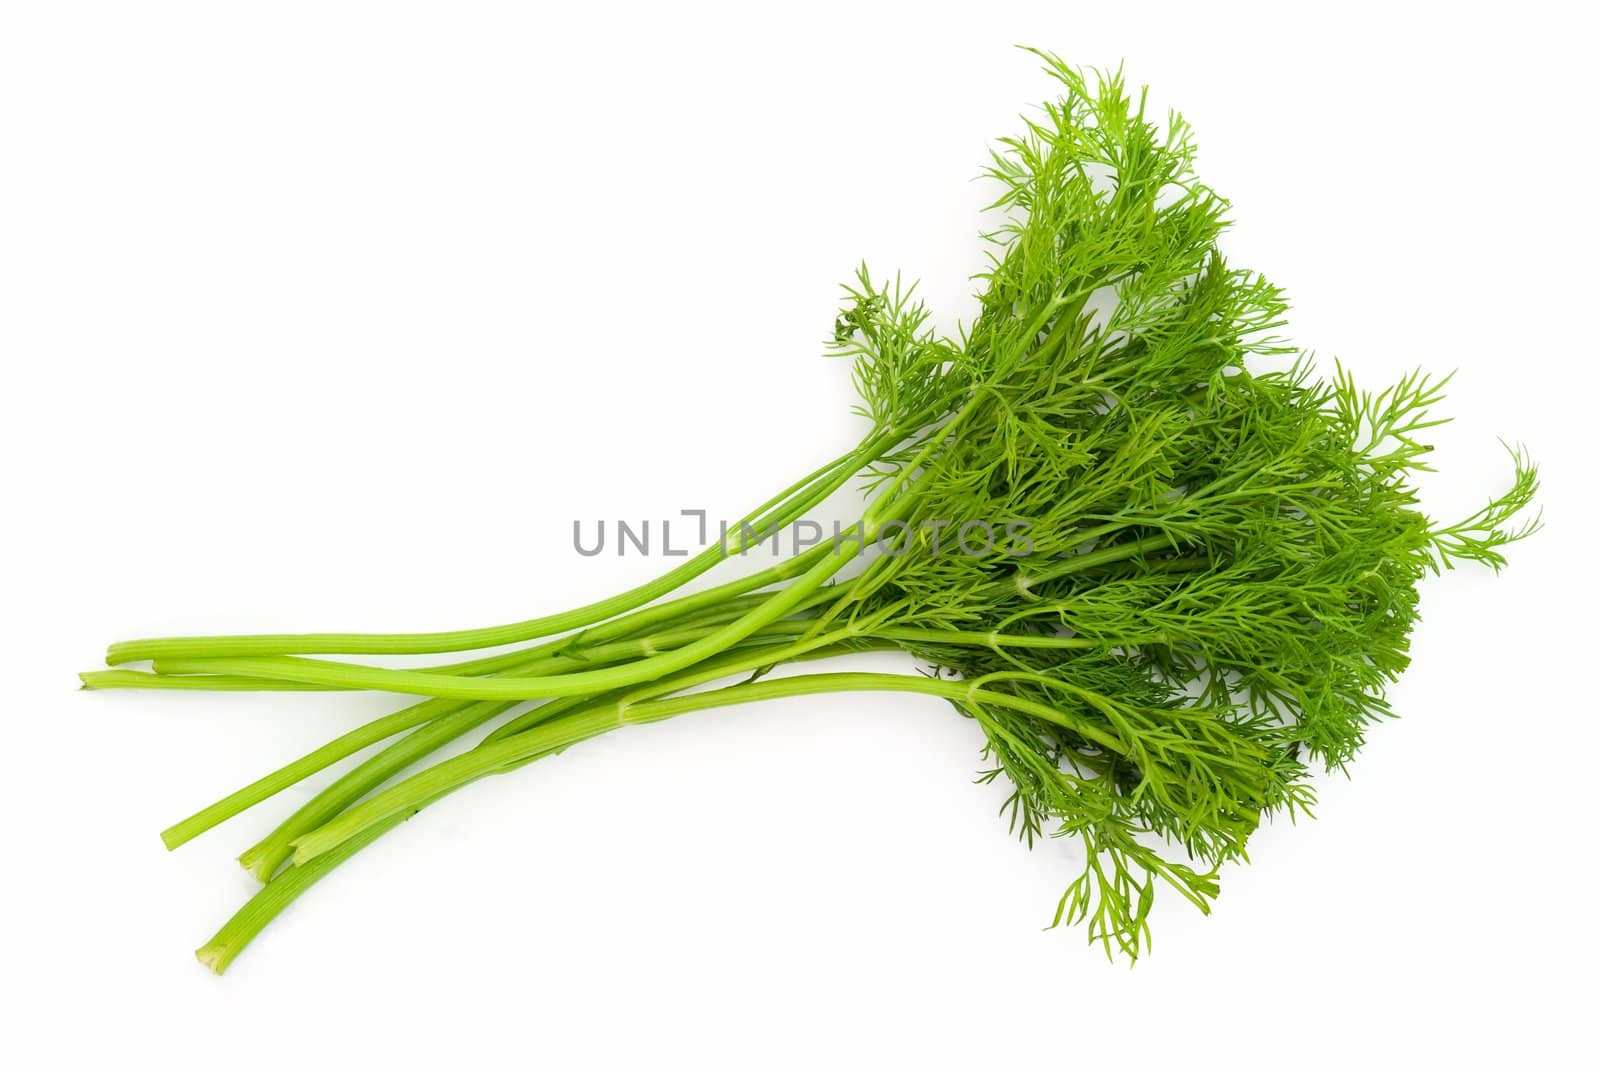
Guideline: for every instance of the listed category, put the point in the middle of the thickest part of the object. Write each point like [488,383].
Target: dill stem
[265,857]
[271,899]
[357,676]
[424,683]
[348,744]
[887,505]
[781,509]
[719,603]
[268,902]
[126,679]
[283,888]
[427,711]
[490,758]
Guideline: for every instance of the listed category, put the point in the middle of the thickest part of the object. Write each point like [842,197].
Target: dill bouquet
[1222,555]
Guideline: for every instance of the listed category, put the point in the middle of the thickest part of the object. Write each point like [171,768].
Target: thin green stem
[923,635]
[313,860]
[488,758]
[185,830]
[1094,558]
[427,711]
[886,507]
[264,857]
[271,899]
[719,605]
[740,660]
[267,855]
[788,505]
[124,679]
[357,676]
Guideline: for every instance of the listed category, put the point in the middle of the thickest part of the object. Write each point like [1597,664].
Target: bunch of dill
[1223,554]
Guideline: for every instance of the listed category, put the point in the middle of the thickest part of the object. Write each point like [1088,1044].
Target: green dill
[1225,554]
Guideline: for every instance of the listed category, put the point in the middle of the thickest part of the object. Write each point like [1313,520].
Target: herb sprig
[1222,575]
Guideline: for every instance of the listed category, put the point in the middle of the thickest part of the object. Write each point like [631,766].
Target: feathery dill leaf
[1130,393]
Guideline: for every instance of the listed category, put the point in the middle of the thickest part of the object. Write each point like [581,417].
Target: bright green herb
[1224,554]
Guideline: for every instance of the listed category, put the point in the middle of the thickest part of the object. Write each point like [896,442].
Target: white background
[335,316]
